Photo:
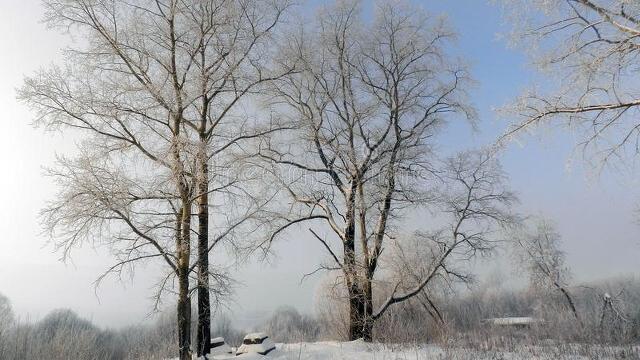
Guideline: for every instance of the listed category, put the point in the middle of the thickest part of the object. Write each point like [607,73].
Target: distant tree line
[464,316]
[62,334]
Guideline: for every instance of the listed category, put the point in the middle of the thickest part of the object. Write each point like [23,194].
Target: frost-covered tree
[588,51]
[538,250]
[289,326]
[6,311]
[366,103]
[156,89]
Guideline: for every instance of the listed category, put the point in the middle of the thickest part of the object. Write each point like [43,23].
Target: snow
[359,350]
[220,347]
[261,344]
[329,350]
[355,350]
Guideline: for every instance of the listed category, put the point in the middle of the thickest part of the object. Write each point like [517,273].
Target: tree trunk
[356,295]
[356,312]
[204,305]
[184,301]
[367,321]
[184,317]
[360,312]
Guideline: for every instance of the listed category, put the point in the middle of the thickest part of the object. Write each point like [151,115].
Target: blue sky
[595,214]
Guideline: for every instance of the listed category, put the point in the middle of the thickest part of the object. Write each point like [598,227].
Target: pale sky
[595,215]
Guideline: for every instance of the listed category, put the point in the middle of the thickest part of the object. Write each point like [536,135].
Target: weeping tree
[588,52]
[156,89]
[365,104]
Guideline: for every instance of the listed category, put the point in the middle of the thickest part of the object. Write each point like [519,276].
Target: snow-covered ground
[358,350]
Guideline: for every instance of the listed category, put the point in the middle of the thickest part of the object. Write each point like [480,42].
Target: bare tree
[127,90]
[231,47]
[6,311]
[155,86]
[539,252]
[588,49]
[367,102]
[138,218]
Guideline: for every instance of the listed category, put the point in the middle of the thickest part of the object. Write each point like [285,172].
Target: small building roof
[512,321]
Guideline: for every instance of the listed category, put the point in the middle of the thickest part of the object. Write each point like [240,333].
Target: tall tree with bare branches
[159,89]
[231,44]
[127,94]
[367,101]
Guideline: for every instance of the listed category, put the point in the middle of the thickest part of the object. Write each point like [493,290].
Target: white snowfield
[359,350]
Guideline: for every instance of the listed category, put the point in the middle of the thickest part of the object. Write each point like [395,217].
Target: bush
[287,325]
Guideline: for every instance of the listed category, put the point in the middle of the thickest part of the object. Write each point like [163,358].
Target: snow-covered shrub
[287,325]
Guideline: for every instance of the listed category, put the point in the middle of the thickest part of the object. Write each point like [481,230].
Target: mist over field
[336,179]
